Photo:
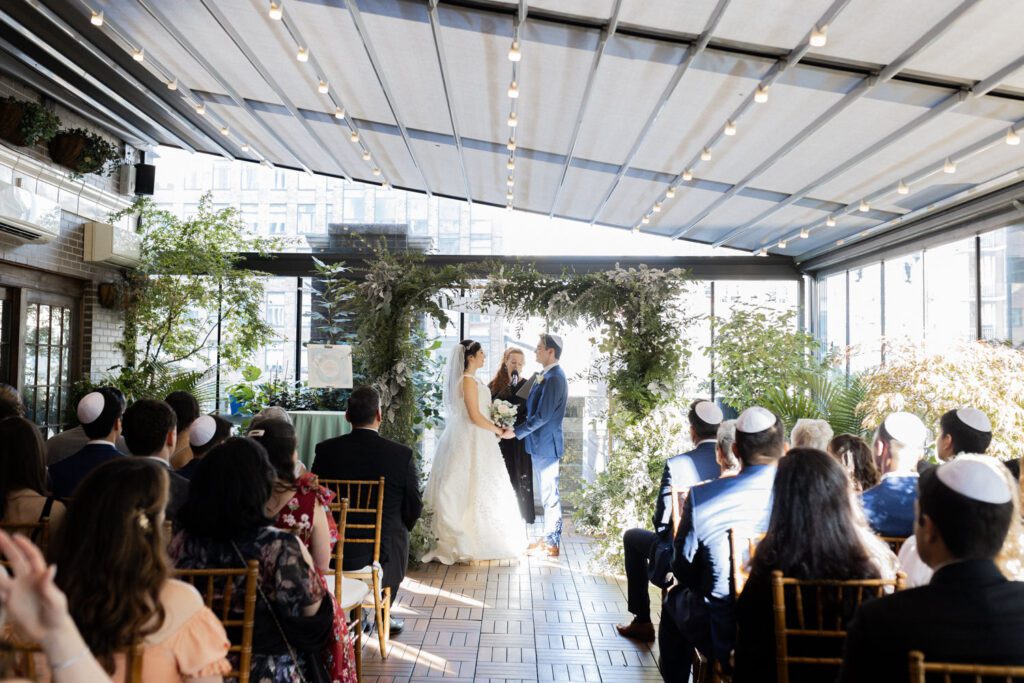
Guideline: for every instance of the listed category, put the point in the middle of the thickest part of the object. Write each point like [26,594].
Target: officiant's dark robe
[366,455]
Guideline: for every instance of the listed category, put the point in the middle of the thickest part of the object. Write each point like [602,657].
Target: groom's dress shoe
[642,631]
[536,545]
[553,551]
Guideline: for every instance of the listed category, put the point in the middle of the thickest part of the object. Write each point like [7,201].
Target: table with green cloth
[314,426]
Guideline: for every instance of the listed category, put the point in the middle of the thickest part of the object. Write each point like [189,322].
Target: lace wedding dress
[475,510]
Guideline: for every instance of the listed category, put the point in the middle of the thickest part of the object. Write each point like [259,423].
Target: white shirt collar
[369,429]
[160,460]
[548,367]
[889,475]
[704,441]
[103,442]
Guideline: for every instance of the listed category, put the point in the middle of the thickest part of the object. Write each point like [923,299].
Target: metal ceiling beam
[606,35]
[948,104]
[691,54]
[364,36]
[167,25]
[236,38]
[442,63]
[864,87]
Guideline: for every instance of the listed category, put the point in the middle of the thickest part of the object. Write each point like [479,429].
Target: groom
[542,432]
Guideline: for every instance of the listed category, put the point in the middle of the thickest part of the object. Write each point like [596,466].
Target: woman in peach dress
[112,564]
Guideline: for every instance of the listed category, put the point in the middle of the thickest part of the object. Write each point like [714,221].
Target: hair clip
[253,433]
[143,520]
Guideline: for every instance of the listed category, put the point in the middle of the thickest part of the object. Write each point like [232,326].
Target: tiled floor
[533,619]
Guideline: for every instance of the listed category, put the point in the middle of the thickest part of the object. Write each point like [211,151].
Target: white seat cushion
[365,571]
[353,593]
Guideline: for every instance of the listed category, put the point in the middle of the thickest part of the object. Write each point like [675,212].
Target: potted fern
[84,152]
[26,123]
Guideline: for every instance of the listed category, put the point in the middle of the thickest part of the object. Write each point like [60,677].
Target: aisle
[537,619]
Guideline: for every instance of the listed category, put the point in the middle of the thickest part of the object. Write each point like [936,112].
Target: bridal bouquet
[503,413]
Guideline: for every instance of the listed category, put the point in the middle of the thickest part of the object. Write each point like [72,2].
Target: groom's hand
[509,433]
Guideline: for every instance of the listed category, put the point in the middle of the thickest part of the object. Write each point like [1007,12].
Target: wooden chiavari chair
[22,659]
[217,586]
[366,500]
[894,542]
[350,594]
[738,561]
[954,673]
[821,609]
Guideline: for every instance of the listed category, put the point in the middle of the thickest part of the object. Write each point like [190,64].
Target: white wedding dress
[475,511]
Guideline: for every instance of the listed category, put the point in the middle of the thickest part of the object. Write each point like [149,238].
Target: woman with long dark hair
[855,455]
[23,493]
[300,505]
[507,381]
[225,524]
[112,566]
[814,533]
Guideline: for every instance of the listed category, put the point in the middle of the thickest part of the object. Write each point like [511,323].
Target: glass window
[280,179]
[250,176]
[222,176]
[449,220]
[832,311]
[197,176]
[418,215]
[275,309]
[904,299]
[949,287]
[251,217]
[307,219]
[47,371]
[309,182]
[1002,285]
[278,219]
[865,317]
[389,207]
[355,207]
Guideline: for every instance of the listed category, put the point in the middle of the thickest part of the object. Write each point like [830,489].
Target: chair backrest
[366,501]
[21,659]
[894,542]
[741,551]
[952,673]
[337,562]
[820,610]
[217,587]
[679,494]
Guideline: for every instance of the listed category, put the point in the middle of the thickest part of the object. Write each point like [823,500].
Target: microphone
[515,377]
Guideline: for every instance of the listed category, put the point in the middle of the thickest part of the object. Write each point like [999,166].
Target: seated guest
[813,534]
[225,524]
[965,430]
[70,441]
[649,553]
[206,432]
[11,404]
[699,611]
[809,433]
[969,612]
[724,455]
[112,565]
[100,414]
[854,454]
[300,505]
[150,432]
[899,444]
[273,413]
[23,496]
[186,410]
[366,455]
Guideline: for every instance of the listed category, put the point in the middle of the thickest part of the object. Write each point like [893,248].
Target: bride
[476,515]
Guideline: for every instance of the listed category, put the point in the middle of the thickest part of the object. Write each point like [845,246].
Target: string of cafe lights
[515,55]
[138,52]
[304,56]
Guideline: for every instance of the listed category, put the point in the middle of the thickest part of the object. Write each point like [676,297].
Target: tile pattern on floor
[532,619]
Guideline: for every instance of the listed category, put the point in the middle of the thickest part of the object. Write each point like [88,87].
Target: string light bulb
[385,185]
[366,155]
[509,197]
[302,55]
[96,19]
[513,120]
[323,87]
[830,222]
[949,166]
[172,84]
[761,94]
[201,108]
[510,164]
[670,193]
[840,243]
[864,206]
[510,181]
[645,220]
[763,251]
[513,90]
[782,244]
[354,137]
[656,208]
[276,11]
[511,146]
[636,229]
[804,233]
[819,36]
[376,171]
[705,154]
[245,147]
[339,113]
[514,53]
[224,130]
[138,54]
[730,128]
[902,188]
[687,175]
[1012,138]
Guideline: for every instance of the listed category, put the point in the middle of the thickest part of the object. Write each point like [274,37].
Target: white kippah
[906,428]
[202,430]
[974,418]
[976,476]
[556,340]
[709,412]
[754,420]
[90,407]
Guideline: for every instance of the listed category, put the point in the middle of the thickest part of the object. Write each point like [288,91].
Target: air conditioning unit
[28,216]
[105,243]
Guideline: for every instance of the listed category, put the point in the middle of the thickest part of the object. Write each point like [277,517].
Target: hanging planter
[84,152]
[26,123]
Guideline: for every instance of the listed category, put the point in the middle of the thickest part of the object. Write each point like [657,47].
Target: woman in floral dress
[301,506]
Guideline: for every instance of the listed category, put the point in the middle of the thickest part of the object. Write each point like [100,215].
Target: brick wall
[90,198]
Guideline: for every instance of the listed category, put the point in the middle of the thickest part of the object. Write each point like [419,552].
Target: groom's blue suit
[542,436]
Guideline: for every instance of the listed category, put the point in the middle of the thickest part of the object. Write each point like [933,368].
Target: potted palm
[84,152]
[26,123]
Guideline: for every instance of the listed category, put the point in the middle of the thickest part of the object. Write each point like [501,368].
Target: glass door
[49,337]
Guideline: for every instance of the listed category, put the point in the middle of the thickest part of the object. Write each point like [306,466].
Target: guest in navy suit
[151,432]
[100,414]
[964,430]
[899,445]
[699,612]
[969,612]
[648,553]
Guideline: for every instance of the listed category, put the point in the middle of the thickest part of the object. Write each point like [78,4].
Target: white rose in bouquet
[503,413]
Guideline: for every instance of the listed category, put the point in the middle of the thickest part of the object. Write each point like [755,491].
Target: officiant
[506,385]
